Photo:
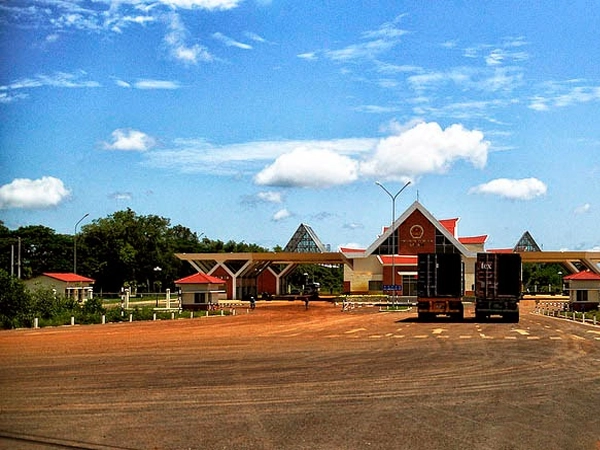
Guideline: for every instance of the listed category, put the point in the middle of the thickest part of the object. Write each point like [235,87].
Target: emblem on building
[416,232]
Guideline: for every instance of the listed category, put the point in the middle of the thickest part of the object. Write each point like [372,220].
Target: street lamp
[75,244]
[393,197]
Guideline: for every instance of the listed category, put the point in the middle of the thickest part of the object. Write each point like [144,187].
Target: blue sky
[243,119]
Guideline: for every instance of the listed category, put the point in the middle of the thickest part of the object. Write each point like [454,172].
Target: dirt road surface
[282,377]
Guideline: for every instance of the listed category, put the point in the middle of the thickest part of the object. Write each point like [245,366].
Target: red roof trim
[585,275]
[200,278]
[351,250]
[473,239]
[450,225]
[399,260]
[69,277]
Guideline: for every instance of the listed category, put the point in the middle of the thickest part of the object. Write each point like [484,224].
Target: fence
[561,310]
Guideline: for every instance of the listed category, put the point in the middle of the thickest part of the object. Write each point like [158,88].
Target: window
[375,285]
[443,244]
[582,296]
[409,285]
[199,297]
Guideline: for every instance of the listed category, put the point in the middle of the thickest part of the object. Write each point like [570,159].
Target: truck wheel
[512,317]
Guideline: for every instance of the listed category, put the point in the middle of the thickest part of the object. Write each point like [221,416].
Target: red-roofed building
[451,225]
[67,284]
[584,290]
[474,243]
[390,263]
[199,290]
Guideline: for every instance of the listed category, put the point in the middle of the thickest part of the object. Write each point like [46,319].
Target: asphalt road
[281,377]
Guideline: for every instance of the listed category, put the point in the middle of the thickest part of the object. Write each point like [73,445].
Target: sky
[241,119]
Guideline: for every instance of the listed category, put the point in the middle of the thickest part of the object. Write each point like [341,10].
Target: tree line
[122,249]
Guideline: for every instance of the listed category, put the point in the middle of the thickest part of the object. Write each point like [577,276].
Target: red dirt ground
[281,377]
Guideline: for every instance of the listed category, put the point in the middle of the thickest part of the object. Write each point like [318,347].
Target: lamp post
[75,244]
[393,197]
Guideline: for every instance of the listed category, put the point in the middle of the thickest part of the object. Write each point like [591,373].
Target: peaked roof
[585,275]
[200,278]
[305,240]
[436,223]
[68,277]
[527,244]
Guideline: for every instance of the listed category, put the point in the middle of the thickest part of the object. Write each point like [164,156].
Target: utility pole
[393,197]
[75,244]
[19,258]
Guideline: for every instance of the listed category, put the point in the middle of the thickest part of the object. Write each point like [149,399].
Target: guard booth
[584,290]
[200,291]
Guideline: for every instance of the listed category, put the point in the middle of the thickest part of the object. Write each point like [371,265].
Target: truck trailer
[440,285]
[498,286]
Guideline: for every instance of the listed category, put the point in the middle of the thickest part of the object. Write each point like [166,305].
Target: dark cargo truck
[440,285]
[498,285]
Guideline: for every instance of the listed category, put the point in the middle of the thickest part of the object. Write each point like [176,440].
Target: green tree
[15,302]
[126,248]
[539,277]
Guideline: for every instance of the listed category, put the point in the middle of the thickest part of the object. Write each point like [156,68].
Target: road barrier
[546,310]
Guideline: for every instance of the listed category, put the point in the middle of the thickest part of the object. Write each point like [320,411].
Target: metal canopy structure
[244,268]
[305,240]
[588,259]
[527,244]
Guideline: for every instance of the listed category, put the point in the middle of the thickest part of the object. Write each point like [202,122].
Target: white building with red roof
[584,290]
[199,290]
[68,284]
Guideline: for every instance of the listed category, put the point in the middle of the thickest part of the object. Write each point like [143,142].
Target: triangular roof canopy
[527,244]
[412,209]
[305,240]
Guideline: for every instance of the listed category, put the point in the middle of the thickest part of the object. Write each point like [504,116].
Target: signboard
[392,287]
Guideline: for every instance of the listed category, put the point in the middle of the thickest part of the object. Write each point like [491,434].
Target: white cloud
[365,50]
[415,149]
[425,148]
[156,84]
[210,5]
[199,156]
[130,140]
[523,189]
[585,208]
[57,80]
[282,214]
[24,193]
[490,79]
[180,50]
[148,84]
[309,56]
[255,37]
[374,43]
[229,42]
[270,196]
[309,167]
[121,196]
[560,95]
